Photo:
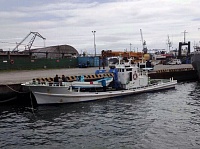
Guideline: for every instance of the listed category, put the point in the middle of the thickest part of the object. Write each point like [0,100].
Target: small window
[129,69]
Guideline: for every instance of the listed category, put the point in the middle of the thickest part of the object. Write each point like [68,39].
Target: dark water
[162,120]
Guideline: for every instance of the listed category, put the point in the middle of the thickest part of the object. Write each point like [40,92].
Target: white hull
[71,96]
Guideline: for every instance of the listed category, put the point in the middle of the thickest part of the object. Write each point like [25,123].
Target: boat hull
[71,97]
[195,60]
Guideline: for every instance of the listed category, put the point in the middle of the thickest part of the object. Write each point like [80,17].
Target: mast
[142,39]
[184,35]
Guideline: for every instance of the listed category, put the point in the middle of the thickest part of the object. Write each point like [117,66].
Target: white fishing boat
[45,85]
[128,79]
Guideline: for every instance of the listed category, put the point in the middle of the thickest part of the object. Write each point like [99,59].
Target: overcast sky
[117,23]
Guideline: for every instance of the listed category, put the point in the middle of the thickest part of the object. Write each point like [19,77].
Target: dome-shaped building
[54,52]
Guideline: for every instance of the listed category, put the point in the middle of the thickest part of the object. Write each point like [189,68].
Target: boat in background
[195,60]
[128,79]
[160,56]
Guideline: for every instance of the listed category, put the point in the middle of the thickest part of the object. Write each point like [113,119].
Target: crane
[30,42]
[142,39]
[143,43]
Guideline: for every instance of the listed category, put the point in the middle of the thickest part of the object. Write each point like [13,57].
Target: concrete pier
[161,67]
[21,76]
[184,72]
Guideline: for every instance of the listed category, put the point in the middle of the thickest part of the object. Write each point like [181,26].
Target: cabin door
[130,76]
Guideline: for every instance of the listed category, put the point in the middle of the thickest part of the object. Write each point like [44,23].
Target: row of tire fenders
[174,70]
[74,78]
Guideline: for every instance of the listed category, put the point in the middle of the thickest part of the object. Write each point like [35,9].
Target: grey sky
[117,23]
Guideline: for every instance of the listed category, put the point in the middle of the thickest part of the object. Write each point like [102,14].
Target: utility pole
[169,43]
[130,47]
[184,35]
[199,29]
[94,43]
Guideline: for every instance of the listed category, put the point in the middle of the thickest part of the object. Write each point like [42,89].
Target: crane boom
[30,42]
[20,42]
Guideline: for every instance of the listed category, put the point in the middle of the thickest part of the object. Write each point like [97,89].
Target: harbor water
[160,120]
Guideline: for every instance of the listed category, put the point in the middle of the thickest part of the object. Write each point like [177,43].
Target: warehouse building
[54,52]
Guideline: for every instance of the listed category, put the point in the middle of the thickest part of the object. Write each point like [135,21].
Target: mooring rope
[7,100]
[15,90]
[32,107]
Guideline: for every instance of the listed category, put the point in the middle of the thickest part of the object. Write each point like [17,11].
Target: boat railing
[159,81]
[154,82]
[62,84]
[46,83]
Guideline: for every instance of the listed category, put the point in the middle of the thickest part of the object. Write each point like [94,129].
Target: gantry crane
[30,42]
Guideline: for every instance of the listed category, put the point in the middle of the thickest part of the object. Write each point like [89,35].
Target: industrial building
[54,52]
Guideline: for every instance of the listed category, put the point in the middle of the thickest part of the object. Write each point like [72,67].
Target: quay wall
[176,74]
[24,63]
[27,63]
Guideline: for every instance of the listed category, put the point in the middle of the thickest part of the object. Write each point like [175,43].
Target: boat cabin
[129,76]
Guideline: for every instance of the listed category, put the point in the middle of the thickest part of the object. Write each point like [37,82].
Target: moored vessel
[128,79]
[195,60]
